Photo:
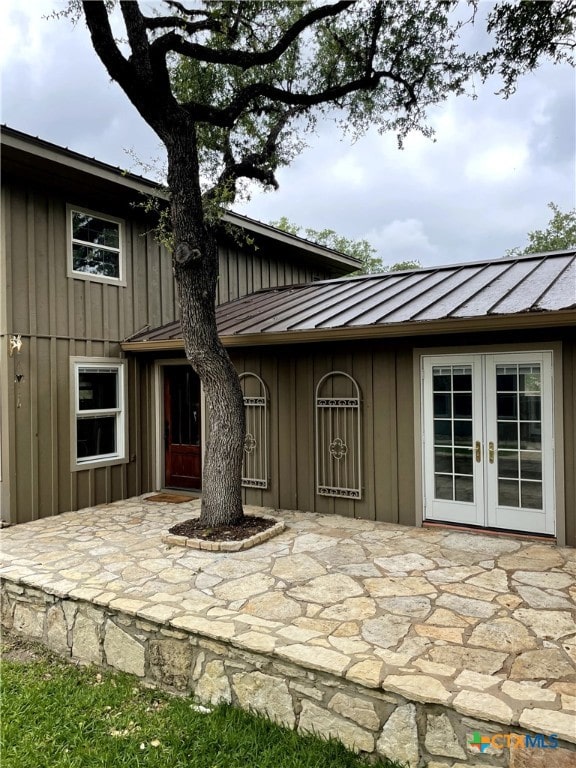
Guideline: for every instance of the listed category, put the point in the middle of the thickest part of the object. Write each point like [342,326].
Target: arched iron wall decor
[338,444]
[255,466]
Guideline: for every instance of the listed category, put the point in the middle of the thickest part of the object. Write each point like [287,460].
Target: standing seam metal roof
[509,286]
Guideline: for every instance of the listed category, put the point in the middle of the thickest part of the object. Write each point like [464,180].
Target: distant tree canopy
[359,249]
[559,235]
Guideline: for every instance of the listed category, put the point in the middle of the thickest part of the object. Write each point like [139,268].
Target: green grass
[55,715]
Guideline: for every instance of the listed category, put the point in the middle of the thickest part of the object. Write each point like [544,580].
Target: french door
[488,440]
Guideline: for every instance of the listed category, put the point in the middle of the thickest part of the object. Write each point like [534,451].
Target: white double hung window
[99,424]
[95,246]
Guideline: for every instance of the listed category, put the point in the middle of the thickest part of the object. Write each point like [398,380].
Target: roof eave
[14,140]
[525,321]
[265,230]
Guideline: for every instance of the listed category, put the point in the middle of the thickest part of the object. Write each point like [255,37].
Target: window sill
[87,277]
[109,461]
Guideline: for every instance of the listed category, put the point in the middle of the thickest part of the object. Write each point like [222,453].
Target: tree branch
[255,165]
[104,43]
[246,59]
[177,22]
[227,116]
[143,77]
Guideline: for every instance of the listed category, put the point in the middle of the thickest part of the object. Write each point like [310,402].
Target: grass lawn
[56,715]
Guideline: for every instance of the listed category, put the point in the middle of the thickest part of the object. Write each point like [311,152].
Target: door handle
[491,452]
[478,450]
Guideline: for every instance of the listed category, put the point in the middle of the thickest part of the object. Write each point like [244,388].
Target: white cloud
[348,170]
[403,240]
[499,163]
[21,36]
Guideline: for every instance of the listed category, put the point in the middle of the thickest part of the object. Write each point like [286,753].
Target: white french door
[488,440]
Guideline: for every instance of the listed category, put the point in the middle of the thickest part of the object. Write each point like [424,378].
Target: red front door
[183,467]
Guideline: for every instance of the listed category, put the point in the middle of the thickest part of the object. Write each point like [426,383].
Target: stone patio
[400,641]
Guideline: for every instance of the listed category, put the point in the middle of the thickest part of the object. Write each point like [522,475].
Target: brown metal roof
[404,302]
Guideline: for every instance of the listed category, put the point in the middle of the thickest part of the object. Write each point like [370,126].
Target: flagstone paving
[484,625]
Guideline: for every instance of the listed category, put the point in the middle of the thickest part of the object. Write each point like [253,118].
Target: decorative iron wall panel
[338,447]
[255,466]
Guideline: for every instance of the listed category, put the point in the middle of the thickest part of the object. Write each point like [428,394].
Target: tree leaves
[559,235]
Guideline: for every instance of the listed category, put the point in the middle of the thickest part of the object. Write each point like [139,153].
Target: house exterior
[80,272]
[445,395]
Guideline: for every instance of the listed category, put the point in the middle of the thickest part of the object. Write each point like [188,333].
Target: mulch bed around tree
[248,526]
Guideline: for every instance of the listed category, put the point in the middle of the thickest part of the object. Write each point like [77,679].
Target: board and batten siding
[387,430]
[385,375]
[243,272]
[61,317]
[569,397]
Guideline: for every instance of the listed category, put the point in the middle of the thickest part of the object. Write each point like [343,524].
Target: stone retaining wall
[364,718]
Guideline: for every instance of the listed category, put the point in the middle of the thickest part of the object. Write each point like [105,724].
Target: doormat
[170,498]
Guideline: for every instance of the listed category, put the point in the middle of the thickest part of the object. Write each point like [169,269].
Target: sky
[474,192]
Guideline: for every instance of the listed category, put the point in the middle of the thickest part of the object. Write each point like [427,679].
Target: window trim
[71,272]
[120,412]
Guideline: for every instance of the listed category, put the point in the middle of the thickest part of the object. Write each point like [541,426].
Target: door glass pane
[443,487]
[531,435]
[507,378]
[463,406]
[530,407]
[531,465]
[508,434]
[530,378]
[443,459]
[519,417]
[442,380]
[508,493]
[506,406]
[442,432]
[463,432]
[531,494]
[452,415]
[508,463]
[463,461]
[464,487]
[462,377]
[443,405]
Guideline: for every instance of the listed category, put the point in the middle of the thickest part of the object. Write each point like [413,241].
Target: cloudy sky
[474,192]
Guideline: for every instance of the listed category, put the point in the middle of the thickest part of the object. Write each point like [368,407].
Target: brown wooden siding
[385,375]
[61,317]
[48,303]
[387,431]
[569,395]
[243,272]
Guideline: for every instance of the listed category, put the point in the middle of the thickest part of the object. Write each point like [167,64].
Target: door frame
[158,388]
[557,406]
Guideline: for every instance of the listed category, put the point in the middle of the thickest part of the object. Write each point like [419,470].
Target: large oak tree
[232,87]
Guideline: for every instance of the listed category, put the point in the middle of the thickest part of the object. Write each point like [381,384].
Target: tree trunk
[195,260]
